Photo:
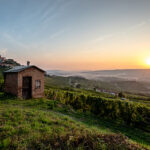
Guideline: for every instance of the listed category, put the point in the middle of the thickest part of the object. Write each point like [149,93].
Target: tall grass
[24,128]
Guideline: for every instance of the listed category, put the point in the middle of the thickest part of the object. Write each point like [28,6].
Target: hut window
[37,84]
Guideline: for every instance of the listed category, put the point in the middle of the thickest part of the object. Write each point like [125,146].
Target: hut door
[27,87]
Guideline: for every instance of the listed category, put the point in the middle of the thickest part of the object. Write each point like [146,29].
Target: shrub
[1,84]
[121,95]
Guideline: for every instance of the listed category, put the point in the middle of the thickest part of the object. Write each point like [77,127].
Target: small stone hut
[25,81]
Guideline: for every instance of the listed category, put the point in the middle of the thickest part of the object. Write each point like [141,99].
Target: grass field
[48,124]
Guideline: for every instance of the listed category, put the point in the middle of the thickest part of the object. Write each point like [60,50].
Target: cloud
[57,34]
[13,40]
[50,13]
[3,51]
[130,29]
[137,26]
[102,38]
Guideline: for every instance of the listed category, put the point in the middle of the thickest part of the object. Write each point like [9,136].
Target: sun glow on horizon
[148,61]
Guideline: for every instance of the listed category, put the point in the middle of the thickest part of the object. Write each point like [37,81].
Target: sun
[148,61]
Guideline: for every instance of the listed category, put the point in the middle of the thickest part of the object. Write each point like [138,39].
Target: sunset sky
[76,34]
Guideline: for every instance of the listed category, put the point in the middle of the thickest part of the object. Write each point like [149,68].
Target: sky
[76,34]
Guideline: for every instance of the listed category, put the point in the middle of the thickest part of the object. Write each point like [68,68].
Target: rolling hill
[124,74]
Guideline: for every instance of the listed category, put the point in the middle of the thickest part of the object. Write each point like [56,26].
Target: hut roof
[21,68]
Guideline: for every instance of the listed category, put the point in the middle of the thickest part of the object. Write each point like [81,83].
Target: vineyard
[136,115]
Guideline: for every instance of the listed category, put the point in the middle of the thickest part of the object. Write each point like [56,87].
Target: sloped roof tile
[21,68]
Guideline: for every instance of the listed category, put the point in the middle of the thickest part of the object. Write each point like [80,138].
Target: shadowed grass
[90,120]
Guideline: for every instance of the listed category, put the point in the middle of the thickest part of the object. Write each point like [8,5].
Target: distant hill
[108,84]
[127,80]
[10,63]
[4,62]
[107,75]
[62,73]
[127,74]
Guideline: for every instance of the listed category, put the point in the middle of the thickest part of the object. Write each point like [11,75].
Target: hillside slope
[142,88]
[47,124]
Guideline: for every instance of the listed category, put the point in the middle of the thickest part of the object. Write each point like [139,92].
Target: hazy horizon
[94,70]
[76,35]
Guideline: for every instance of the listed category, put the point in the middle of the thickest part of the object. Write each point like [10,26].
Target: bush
[121,95]
[1,84]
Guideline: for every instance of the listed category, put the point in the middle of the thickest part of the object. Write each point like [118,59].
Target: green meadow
[50,124]
[70,118]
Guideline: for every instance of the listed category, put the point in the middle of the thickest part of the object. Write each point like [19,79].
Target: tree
[78,85]
[121,95]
